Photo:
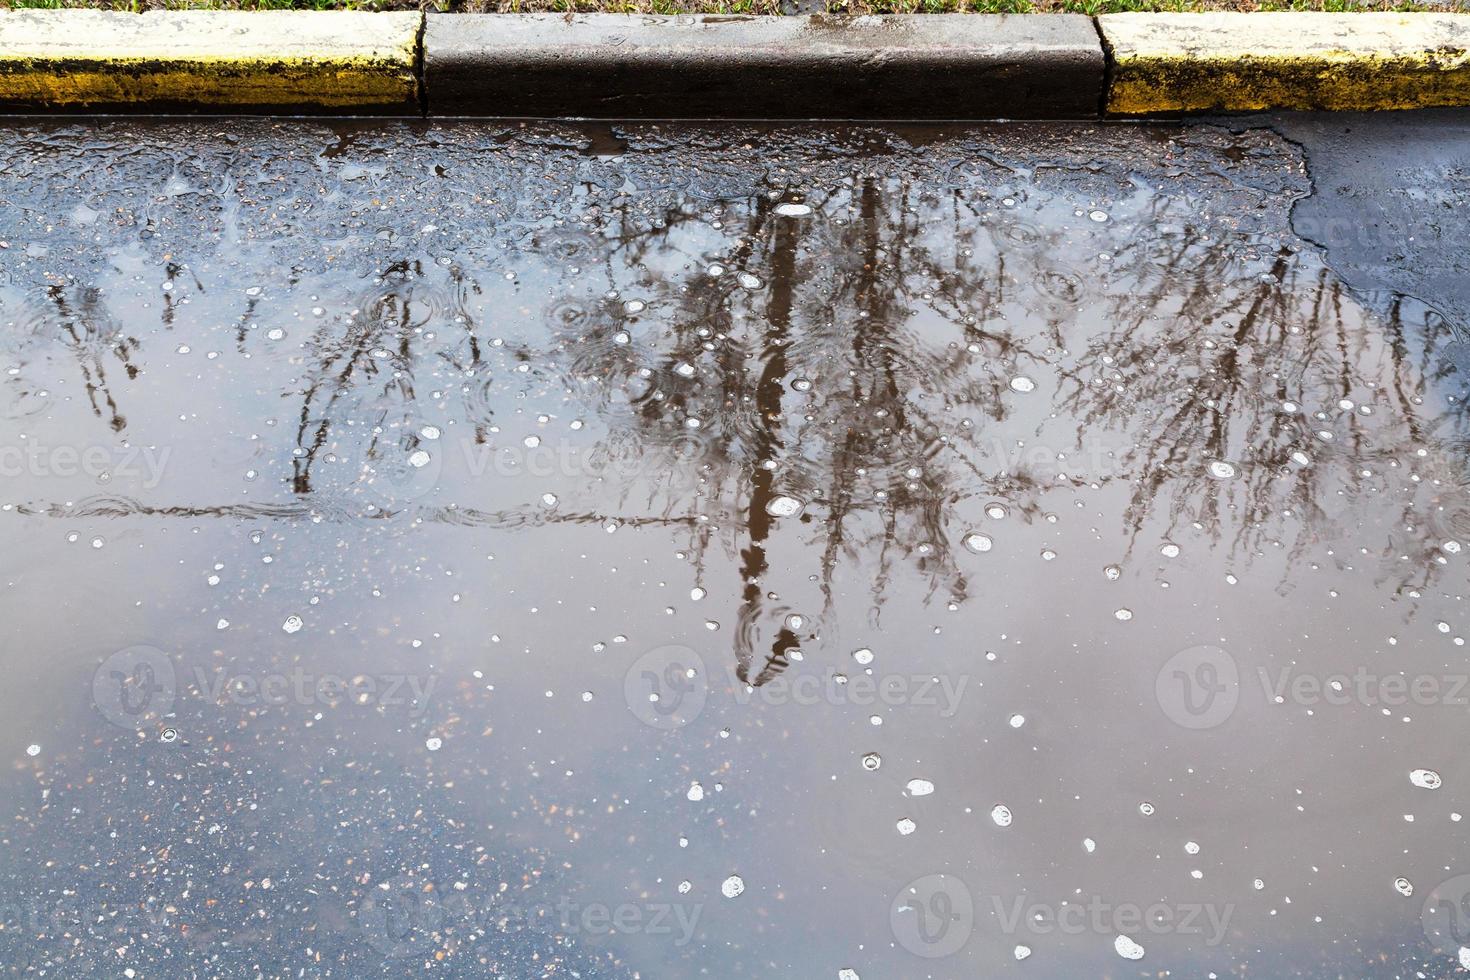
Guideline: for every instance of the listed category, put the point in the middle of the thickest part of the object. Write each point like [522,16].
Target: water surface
[510,550]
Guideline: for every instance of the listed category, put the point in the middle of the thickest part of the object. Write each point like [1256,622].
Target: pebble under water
[511,550]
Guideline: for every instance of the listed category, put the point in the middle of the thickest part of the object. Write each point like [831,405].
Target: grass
[1091,7]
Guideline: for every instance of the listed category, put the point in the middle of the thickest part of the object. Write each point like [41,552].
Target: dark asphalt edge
[418,67]
[924,67]
[1108,66]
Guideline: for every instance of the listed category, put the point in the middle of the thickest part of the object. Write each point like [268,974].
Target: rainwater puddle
[755,552]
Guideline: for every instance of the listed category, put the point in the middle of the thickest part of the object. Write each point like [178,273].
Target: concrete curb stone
[1233,62]
[209,61]
[911,67]
[962,66]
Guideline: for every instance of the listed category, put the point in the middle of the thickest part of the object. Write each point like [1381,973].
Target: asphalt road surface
[494,549]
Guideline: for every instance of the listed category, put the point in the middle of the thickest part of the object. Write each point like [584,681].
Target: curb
[914,67]
[340,62]
[917,66]
[1179,63]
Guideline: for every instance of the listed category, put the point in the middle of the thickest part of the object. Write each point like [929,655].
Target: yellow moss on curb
[266,61]
[1163,85]
[1217,62]
[234,84]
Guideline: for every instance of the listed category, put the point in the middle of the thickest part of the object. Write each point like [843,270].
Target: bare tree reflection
[1281,377]
[93,337]
[843,328]
[808,384]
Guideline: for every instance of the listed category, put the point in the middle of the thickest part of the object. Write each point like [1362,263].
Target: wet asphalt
[513,550]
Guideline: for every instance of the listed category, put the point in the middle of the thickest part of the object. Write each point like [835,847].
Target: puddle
[670,551]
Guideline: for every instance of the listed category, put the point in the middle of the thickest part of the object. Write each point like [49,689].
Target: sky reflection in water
[526,550]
